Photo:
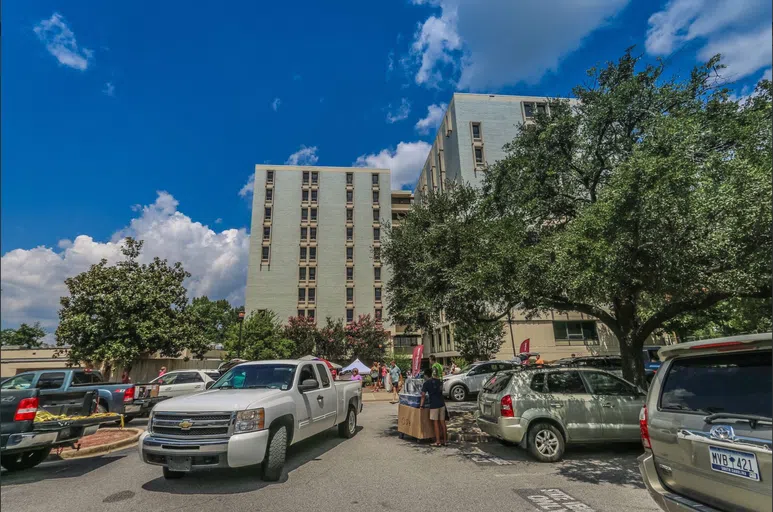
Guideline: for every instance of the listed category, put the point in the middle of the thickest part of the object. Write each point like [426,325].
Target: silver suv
[470,380]
[544,409]
[706,426]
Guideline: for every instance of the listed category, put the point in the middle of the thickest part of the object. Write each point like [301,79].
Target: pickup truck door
[326,398]
[306,407]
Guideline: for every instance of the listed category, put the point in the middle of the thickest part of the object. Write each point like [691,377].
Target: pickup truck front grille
[191,425]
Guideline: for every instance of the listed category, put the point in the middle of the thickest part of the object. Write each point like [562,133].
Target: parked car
[612,364]
[544,409]
[25,443]
[460,386]
[111,397]
[706,426]
[651,361]
[250,416]
[182,382]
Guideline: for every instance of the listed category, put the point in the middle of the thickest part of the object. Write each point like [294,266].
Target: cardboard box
[414,422]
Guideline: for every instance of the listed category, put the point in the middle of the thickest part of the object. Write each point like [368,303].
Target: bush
[367,380]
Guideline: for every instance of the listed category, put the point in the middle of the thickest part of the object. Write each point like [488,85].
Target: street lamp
[239,346]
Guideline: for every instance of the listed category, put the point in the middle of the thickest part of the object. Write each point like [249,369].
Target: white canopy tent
[361,367]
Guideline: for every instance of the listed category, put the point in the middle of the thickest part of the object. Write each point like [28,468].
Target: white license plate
[179,463]
[131,408]
[734,462]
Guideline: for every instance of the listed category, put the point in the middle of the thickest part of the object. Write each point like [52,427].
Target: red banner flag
[525,345]
[418,352]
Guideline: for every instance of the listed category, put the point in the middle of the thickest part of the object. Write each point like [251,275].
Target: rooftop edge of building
[283,167]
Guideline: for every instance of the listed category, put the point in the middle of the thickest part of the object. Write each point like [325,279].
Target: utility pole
[512,338]
[239,347]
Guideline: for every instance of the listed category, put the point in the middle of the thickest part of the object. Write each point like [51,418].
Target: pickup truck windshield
[252,376]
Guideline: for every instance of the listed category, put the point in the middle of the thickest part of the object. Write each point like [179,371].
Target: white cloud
[218,220]
[749,91]
[304,156]
[64,243]
[738,29]
[390,62]
[275,104]
[32,280]
[60,42]
[489,44]
[109,89]
[400,113]
[248,187]
[433,119]
[405,162]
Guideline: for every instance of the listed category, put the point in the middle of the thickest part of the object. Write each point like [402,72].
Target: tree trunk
[633,363]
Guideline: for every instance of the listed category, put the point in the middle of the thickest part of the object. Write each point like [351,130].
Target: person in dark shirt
[432,390]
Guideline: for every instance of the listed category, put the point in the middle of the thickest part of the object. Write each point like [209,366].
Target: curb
[100,449]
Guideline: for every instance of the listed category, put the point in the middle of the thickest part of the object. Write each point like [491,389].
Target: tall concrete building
[471,136]
[316,242]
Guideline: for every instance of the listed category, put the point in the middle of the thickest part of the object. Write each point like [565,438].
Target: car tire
[546,443]
[172,475]
[458,393]
[276,451]
[348,428]
[25,460]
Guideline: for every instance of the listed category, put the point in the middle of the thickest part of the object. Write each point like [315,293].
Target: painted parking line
[553,500]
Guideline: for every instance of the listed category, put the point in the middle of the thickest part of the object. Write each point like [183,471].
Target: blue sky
[147,118]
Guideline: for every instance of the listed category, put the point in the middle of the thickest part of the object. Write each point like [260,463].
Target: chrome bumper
[664,498]
[208,453]
[27,440]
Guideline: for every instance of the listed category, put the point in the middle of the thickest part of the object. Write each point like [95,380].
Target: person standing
[437,368]
[356,375]
[374,373]
[394,373]
[162,372]
[432,391]
[384,376]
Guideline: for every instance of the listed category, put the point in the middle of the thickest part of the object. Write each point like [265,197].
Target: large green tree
[303,331]
[209,322]
[116,314]
[331,341]
[366,339]
[646,199]
[262,337]
[25,336]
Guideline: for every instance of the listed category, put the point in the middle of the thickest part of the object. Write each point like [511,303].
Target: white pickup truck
[250,416]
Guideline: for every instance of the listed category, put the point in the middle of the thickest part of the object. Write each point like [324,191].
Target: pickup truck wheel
[348,428]
[546,443]
[458,393]
[26,460]
[172,475]
[276,451]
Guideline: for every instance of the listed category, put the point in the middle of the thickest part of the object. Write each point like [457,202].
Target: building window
[269,194]
[302,274]
[311,314]
[304,233]
[312,295]
[313,215]
[349,178]
[303,254]
[376,215]
[349,234]
[377,294]
[349,316]
[478,156]
[378,314]
[476,135]
[377,273]
[350,273]
[349,196]
[267,214]
[375,197]
[266,232]
[376,234]
[312,254]
[349,253]
[530,109]
[575,333]
[264,253]
[304,214]
[305,177]
[301,294]
[377,254]
[313,233]
[349,215]
[314,178]
[304,196]
[350,295]
[374,178]
[313,196]
[269,176]
[301,313]
[312,274]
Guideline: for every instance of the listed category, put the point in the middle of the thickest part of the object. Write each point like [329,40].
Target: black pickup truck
[25,443]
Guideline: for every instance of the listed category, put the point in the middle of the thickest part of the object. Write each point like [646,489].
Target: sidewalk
[381,396]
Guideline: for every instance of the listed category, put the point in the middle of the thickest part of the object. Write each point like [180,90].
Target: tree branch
[606,318]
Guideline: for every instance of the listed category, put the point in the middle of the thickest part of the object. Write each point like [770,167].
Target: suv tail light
[644,428]
[27,409]
[506,407]
[128,394]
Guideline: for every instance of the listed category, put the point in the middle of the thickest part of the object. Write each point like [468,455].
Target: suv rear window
[734,383]
[498,383]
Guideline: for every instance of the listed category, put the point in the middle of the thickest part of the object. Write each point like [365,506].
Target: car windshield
[468,367]
[254,376]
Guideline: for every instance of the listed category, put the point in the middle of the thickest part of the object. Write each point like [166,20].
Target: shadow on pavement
[613,465]
[71,468]
[247,479]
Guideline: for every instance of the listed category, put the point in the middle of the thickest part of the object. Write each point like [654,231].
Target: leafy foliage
[26,336]
[478,341]
[331,341]
[303,331]
[404,363]
[262,338]
[208,322]
[366,339]
[734,316]
[117,314]
[647,199]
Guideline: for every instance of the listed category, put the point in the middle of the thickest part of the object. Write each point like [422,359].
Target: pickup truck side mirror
[209,384]
[308,385]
